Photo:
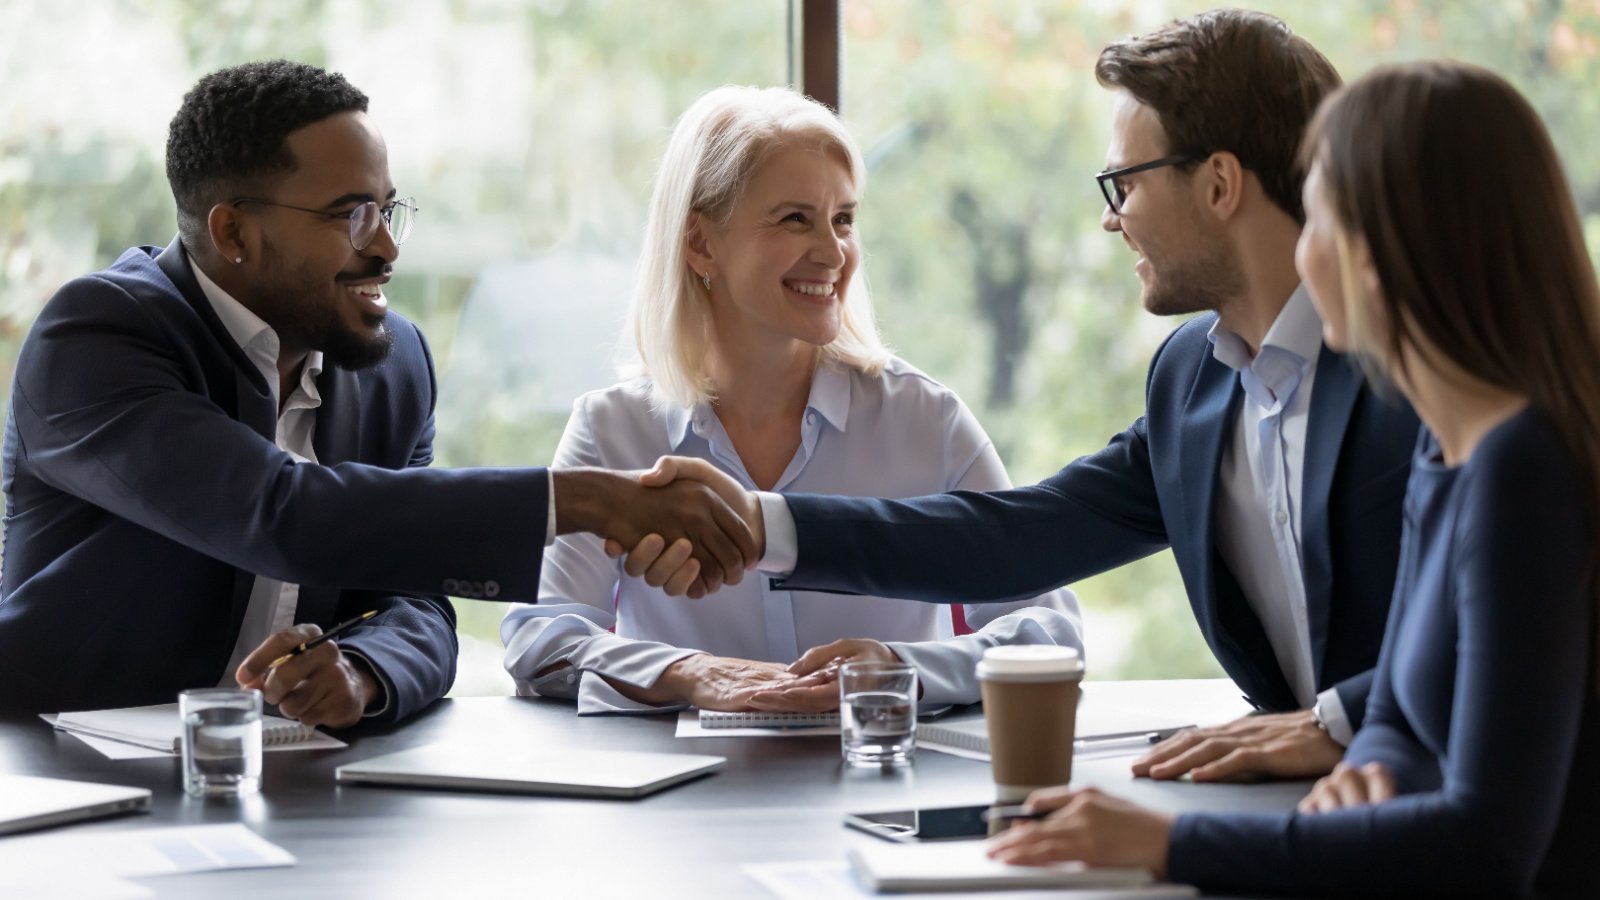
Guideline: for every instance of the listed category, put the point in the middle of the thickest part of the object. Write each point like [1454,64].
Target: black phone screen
[945,823]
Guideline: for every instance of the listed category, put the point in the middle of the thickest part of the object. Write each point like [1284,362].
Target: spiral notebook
[711,718]
[160,728]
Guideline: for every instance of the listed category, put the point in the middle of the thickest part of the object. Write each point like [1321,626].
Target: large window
[983,125]
[528,130]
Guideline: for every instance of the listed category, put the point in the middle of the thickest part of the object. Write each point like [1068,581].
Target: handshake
[685,526]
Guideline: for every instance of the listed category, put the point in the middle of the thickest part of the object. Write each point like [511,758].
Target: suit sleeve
[1098,513]
[411,643]
[109,412]
[945,667]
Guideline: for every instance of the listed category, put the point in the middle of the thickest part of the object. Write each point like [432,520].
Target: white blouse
[897,434]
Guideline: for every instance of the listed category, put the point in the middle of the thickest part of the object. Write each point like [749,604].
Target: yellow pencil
[328,635]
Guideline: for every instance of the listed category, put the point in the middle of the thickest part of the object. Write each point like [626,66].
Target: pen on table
[322,638]
[1010,813]
[1127,738]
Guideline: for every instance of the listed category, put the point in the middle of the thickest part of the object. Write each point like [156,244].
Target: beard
[278,299]
[1209,278]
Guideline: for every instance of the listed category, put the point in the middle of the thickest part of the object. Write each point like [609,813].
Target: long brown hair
[1452,180]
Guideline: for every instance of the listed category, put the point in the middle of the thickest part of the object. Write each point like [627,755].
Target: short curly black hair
[233,125]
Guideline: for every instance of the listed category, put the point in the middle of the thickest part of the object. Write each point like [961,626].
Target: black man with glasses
[218,449]
[1262,461]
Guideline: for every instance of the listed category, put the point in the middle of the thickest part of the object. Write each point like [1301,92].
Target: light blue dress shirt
[1258,507]
[896,434]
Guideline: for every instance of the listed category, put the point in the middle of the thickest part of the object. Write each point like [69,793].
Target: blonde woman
[758,352]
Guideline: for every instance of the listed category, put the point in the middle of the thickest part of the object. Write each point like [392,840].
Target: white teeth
[811,288]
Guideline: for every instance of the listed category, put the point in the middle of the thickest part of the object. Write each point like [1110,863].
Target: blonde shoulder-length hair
[716,147]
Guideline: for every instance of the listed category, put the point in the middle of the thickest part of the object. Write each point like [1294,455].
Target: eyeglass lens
[368,216]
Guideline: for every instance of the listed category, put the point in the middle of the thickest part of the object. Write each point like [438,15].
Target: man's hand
[710,682]
[665,566]
[1089,826]
[1281,745]
[691,524]
[318,687]
[1349,786]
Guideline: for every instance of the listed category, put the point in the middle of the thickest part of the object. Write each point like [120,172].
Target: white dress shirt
[1258,511]
[1258,504]
[896,434]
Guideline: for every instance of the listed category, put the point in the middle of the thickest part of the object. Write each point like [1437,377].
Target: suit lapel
[337,439]
[1333,400]
[1225,617]
[1208,410]
[252,398]
[338,435]
[251,393]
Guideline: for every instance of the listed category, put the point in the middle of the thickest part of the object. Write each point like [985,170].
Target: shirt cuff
[783,550]
[1329,710]
[385,693]
[639,663]
[550,514]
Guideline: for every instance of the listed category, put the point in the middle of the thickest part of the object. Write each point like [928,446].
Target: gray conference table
[778,799]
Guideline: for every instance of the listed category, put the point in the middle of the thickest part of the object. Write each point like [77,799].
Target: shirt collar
[255,337]
[829,398]
[1297,330]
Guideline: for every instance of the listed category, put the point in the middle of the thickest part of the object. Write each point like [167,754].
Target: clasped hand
[696,561]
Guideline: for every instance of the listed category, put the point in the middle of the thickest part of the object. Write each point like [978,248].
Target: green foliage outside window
[529,130]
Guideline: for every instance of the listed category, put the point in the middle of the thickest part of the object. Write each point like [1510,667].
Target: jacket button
[491,589]
[451,586]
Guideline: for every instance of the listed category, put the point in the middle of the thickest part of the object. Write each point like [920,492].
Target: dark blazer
[1483,704]
[145,491]
[1152,487]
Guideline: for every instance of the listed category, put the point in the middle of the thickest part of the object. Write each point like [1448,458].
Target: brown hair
[1228,80]
[1475,238]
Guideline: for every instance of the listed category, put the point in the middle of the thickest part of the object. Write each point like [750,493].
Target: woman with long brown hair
[1443,248]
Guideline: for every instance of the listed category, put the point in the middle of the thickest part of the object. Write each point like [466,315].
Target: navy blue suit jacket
[145,491]
[1154,486]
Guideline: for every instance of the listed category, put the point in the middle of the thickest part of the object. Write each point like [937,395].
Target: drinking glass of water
[221,741]
[878,713]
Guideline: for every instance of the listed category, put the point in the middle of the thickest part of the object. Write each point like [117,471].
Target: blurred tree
[529,131]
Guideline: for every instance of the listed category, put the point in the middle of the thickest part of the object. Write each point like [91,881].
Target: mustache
[378,269]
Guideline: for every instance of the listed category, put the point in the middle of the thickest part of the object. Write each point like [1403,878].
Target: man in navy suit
[218,449]
[1262,461]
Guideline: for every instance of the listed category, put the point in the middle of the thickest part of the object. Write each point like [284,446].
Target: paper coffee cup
[1030,704]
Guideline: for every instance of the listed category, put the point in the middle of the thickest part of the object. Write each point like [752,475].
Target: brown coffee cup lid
[1030,662]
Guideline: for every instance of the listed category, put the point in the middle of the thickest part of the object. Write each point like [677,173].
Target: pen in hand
[322,638]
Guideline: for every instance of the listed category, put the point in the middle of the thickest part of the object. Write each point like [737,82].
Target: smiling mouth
[370,297]
[811,288]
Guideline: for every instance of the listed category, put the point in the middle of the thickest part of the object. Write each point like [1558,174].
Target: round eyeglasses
[400,215]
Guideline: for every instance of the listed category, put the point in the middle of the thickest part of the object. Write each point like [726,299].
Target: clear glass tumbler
[878,713]
[221,741]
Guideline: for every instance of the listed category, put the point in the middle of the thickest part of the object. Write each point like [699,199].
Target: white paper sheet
[119,750]
[831,879]
[81,864]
